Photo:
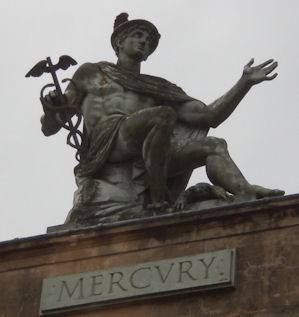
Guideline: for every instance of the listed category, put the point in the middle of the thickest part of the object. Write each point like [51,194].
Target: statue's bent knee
[222,143]
[218,145]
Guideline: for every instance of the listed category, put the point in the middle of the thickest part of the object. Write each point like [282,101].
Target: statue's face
[136,45]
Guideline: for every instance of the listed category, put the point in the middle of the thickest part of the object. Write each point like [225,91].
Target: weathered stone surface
[264,233]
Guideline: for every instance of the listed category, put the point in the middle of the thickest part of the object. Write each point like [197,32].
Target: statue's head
[123,28]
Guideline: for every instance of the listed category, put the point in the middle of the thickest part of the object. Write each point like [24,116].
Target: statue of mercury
[132,119]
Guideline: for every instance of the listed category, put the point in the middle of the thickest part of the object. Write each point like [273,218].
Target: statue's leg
[147,133]
[221,169]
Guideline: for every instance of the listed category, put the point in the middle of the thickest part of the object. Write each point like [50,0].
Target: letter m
[77,289]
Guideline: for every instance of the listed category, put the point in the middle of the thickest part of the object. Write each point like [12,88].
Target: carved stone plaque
[152,279]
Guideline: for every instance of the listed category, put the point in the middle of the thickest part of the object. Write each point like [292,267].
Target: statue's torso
[104,98]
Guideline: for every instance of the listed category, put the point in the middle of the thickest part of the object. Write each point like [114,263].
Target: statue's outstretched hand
[257,74]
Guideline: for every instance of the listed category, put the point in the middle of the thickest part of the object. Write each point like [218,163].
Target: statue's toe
[278,192]
[262,192]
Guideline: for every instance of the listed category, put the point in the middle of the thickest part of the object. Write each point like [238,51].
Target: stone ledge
[269,205]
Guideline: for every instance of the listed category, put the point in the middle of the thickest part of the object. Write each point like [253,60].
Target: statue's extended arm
[196,113]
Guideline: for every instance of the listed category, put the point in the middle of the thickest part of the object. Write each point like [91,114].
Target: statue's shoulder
[157,79]
[165,85]
[88,69]
[103,65]
[161,81]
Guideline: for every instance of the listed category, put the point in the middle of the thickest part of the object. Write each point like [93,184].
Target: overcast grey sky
[203,47]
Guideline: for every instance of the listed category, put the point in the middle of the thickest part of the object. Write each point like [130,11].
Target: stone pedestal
[263,234]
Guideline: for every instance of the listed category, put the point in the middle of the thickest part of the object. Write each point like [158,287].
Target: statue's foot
[180,203]
[262,192]
[218,192]
[159,208]
[257,192]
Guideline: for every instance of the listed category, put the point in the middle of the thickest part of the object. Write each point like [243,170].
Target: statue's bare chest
[106,97]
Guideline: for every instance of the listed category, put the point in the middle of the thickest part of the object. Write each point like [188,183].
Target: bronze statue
[143,136]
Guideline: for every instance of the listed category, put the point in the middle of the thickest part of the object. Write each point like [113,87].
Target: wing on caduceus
[37,70]
[65,62]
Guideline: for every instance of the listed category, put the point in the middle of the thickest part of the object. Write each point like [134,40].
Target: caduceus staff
[46,66]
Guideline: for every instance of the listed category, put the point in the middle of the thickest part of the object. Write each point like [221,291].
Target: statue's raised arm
[213,115]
